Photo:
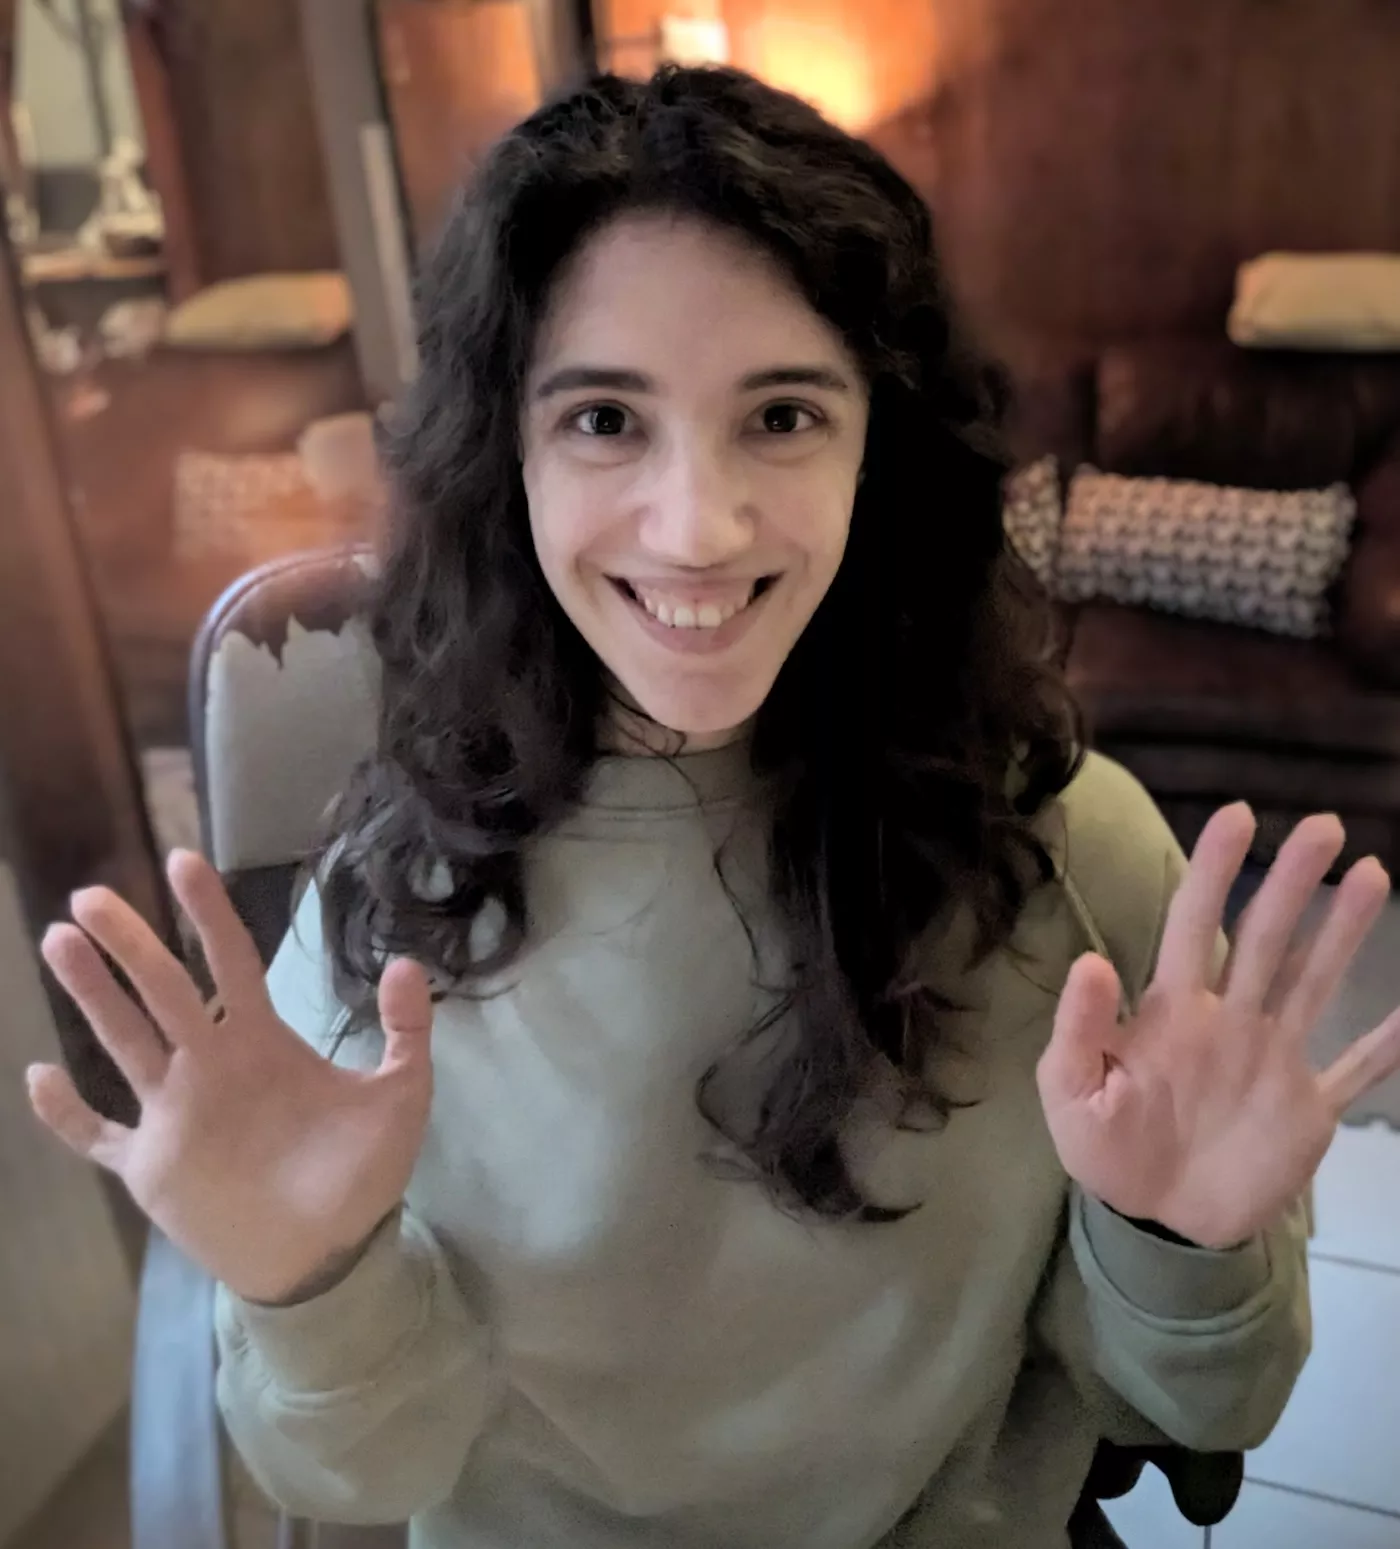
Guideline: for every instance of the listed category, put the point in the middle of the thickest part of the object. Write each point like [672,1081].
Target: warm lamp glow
[822,64]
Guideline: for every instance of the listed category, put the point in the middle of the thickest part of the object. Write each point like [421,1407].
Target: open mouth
[675,613]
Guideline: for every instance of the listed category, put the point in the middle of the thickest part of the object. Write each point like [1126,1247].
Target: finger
[159,979]
[406,1015]
[1286,983]
[1365,1064]
[1270,921]
[1076,1060]
[1315,974]
[121,1026]
[56,1103]
[233,959]
[1187,954]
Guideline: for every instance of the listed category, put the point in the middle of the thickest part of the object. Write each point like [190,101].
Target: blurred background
[1176,221]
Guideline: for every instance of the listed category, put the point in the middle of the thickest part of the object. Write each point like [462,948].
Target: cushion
[1261,558]
[263,312]
[1031,515]
[1318,301]
[284,662]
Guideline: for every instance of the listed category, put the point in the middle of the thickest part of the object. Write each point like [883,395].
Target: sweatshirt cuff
[348,1334]
[1172,1281]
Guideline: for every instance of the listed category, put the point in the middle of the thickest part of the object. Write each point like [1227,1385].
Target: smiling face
[692,433]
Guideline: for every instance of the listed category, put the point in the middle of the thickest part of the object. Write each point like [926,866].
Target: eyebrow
[606,378]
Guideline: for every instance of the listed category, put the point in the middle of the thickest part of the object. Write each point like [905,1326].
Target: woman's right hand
[267,1164]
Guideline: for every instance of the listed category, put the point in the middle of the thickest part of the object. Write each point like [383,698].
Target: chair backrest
[283,704]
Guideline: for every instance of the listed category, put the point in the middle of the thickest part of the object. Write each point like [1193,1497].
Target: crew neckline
[621,782]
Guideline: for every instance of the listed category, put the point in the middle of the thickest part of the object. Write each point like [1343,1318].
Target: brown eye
[785,419]
[605,419]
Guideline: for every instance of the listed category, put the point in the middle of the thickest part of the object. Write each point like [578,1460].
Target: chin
[711,714]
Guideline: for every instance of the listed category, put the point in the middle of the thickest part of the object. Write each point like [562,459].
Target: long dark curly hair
[914,731]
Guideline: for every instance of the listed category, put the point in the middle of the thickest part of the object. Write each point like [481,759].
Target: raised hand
[266,1163]
[1201,1112]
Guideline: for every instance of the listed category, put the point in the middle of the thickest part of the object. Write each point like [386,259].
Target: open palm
[1201,1112]
[266,1163]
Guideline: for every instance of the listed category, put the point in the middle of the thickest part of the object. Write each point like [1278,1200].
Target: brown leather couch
[1206,713]
[1097,173]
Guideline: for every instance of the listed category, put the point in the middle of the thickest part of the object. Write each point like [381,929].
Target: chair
[280,664]
[271,671]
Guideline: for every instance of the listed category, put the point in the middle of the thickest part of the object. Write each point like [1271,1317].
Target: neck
[629,731]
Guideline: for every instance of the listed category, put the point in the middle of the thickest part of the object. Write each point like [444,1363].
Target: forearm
[361,1404]
[1204,1346]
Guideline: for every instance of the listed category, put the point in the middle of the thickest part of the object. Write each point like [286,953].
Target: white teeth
[708,615]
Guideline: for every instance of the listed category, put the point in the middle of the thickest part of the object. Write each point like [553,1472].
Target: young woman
[693,1110]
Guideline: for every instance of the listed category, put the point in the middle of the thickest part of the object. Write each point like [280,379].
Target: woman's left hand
[1201,1112]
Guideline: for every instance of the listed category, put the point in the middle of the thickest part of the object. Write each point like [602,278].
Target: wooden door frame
[165,163]
[72,787]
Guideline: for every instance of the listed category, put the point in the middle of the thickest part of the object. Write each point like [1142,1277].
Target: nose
[697,514]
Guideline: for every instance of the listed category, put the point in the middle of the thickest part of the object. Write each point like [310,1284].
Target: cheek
[816,522]
[567,514]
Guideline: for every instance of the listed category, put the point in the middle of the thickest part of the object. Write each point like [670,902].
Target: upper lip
[690,586]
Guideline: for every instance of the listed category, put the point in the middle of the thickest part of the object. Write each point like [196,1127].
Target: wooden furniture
[224,92]
[71,786]
[165,160]
[71,814]
[68,265]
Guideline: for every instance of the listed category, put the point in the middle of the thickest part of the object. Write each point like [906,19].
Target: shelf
[63,266]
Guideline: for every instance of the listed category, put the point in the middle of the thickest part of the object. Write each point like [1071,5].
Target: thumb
[405,1014]
[1075,1061]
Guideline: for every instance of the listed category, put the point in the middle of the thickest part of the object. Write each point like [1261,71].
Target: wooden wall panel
[241,101]
[859,62]
[1099,169]
[456,76]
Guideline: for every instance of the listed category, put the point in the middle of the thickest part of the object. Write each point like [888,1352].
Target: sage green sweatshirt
[579,1334]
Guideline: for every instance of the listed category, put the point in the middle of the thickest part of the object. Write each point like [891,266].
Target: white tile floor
[1329,1477]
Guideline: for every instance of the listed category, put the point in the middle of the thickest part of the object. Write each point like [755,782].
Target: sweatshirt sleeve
[361,1404]
[1163,1339]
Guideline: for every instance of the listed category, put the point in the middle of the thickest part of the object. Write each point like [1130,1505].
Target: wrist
[1166,1234]
[1154,1229]
[325,1277]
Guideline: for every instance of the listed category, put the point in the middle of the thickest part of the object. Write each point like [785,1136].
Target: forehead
[654,292]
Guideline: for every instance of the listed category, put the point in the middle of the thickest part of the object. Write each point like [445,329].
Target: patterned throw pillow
[1031,515]
[1261,558]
